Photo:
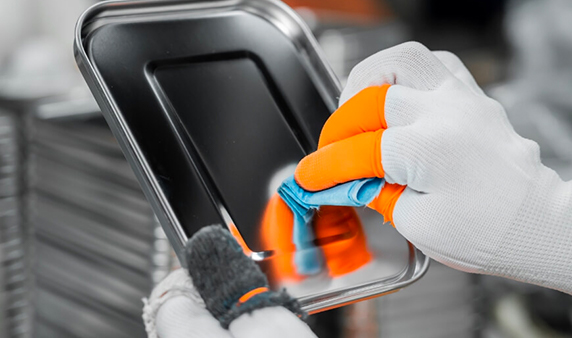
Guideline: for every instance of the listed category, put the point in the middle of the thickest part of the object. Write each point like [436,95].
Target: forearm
[537,246]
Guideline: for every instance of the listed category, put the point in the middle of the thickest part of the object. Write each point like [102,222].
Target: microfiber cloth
[308,258]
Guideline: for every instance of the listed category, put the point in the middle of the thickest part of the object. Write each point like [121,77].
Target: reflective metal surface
[213,105]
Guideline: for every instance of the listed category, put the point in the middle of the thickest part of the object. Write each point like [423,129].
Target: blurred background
[79,245]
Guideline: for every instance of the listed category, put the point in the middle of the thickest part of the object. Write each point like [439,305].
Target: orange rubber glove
[474,194]
[350,149]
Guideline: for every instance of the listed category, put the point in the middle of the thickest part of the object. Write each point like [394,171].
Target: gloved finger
[372,109]
[230,283]
[456,66]
[362,113]
[411,156]
[410,64]
[343,161]
[385,202]
[414,210]
[399,154]
[404,105]
[181,317]
[275,322]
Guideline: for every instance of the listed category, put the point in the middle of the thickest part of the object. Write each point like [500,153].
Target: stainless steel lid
[212,104]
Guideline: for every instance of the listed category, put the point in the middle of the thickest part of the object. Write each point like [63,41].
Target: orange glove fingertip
[385,202]
[364,112]
[343,161]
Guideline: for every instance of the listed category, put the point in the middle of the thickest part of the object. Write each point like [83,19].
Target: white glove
[175,310]
[478,198]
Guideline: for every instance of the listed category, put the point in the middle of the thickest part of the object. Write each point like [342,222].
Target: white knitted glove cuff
[175,284]
[537,248]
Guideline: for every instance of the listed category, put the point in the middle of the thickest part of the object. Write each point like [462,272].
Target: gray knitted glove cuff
[222,274]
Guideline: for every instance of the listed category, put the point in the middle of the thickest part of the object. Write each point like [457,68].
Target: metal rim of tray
[287,21]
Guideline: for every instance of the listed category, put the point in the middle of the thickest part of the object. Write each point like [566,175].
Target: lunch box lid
[150,64]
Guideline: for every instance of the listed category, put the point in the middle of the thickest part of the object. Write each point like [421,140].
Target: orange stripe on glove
[350,149]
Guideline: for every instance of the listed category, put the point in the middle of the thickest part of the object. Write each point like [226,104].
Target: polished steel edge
[276,13]
[149,184]
[419,264]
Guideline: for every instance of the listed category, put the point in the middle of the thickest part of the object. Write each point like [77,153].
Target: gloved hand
[176,310]
[461,185]
[228,296]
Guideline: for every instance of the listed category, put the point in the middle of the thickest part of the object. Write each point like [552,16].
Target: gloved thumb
[182,317]
[275,322]
[237,293]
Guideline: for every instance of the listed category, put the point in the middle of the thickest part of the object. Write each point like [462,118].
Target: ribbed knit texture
[537,247]
[178,285]
[181,317]
[175,310]
[222,273]
[478,197]
[205,307]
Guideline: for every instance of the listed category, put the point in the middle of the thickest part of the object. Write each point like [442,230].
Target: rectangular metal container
[213,105]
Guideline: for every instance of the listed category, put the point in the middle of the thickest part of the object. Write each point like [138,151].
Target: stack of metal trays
[99,248]
[20,94]
[15,281]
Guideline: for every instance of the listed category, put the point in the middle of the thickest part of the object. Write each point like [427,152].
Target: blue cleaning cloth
[308,258]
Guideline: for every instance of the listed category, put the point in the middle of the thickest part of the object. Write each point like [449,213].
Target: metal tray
[213,104]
